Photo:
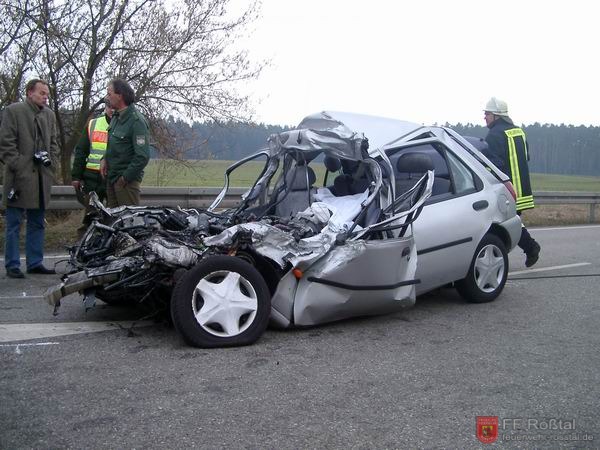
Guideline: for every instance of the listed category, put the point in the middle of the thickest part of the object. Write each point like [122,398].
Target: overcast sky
[429,61]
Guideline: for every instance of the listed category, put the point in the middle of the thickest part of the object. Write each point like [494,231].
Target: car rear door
[452,221]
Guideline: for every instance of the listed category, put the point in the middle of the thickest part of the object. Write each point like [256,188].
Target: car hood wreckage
[225,274]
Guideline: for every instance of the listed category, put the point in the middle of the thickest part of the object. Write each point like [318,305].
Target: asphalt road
[416,379]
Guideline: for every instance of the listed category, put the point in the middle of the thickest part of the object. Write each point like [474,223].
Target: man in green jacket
[128,148]
[29,151]
[85,173]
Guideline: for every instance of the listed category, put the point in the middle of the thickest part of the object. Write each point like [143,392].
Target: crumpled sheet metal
[319,133]
[173,254]
[115,266]
[277,245]
[76,282]
[357,263]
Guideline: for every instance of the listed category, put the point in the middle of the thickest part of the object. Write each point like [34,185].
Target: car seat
[346,183]
[332,164]
[297,197]
[409,168]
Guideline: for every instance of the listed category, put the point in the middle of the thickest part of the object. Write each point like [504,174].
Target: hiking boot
[533,255]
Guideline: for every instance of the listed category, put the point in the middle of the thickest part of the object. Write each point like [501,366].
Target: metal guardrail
[63,198]
[570,198]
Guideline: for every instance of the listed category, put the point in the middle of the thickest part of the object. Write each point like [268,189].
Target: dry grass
[545,215]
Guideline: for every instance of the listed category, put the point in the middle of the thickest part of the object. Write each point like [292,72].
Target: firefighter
[85,172]
[508,150]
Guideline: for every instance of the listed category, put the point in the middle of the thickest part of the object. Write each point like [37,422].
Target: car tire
[222,301]
[488,271]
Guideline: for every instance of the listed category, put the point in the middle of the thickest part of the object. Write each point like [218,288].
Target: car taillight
[511,189]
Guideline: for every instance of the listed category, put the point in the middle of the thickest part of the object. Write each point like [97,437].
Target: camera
[42,157]
[13,195]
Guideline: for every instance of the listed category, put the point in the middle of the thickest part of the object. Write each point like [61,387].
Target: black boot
[533,254]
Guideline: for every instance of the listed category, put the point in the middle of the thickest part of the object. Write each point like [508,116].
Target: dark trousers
[526,242]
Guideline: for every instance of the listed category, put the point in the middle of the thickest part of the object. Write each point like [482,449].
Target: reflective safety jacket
[508,150]
[98,137]
[88,152]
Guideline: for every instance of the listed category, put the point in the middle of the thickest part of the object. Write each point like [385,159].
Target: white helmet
[497,107]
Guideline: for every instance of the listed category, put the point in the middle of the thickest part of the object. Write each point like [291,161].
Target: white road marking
[18,346]
[543,269]
[10,332]
[577,227]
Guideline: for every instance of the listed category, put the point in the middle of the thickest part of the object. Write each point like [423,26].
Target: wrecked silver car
[298,251]
[289,253]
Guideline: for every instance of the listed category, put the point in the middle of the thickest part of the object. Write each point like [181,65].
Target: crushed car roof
[378,130]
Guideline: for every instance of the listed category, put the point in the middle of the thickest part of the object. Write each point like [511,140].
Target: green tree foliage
[221,140]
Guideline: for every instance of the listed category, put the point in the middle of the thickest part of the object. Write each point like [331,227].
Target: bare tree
[19,43]
[183,58]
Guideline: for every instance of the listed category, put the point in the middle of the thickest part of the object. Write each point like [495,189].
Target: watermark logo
[529,429]
[487,429]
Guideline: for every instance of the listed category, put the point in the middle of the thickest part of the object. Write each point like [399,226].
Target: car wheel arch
[501,233]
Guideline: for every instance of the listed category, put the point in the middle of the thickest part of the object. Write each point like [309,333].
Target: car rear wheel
[488,271]
[222,301]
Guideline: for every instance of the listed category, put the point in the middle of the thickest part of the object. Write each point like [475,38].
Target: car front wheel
[488,271]
[222,301]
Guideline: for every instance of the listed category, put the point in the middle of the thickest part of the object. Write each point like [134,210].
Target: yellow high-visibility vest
[519,171]
[98,134]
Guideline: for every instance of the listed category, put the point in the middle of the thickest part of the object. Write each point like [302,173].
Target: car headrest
[299,180]
[414,162]
[332,164]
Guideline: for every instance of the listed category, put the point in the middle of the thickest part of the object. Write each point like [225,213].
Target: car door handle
[481,204]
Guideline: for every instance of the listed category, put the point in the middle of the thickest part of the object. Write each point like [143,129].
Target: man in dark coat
[508,150]
[29,151]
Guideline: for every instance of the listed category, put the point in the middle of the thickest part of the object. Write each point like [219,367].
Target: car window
[462,176]
[246,174]
[409,167]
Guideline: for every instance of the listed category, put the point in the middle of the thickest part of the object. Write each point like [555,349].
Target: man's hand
[121,182]
[103,168]
[77,184]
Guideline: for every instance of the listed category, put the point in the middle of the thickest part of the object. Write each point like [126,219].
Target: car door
[358,278]
[451,223]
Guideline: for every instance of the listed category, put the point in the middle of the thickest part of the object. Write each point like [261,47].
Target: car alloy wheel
[487,273]
[489,268]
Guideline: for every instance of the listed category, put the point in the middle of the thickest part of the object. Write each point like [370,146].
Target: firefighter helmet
[497,107]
